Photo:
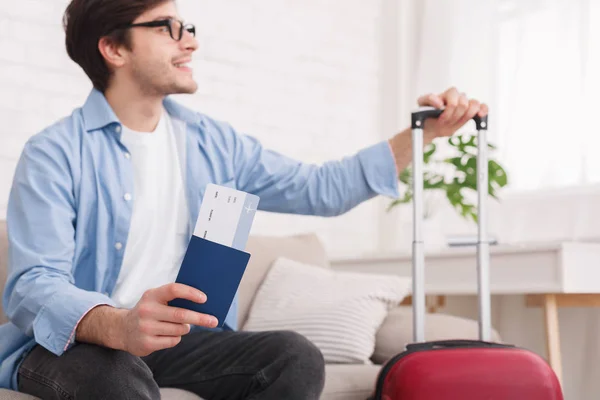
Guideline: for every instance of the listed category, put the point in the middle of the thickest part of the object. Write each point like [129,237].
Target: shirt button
[127,197]
[118,128]
[127,155]
[118,245]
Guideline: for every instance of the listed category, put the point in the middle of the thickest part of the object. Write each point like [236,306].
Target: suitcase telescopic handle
[418,267]
[419,117]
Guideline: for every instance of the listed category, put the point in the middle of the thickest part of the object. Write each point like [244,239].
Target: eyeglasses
[175,27]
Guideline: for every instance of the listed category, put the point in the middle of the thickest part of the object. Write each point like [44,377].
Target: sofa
[342,381]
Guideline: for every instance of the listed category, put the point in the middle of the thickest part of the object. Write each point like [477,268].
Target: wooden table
[551,275]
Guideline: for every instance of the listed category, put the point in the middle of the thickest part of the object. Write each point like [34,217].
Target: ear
[112,53]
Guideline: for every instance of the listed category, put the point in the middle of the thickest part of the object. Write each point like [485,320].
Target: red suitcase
[460,369]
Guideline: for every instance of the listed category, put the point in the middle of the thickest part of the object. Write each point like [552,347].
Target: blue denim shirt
[68,220]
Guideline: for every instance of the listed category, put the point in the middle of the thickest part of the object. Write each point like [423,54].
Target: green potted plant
[455,176]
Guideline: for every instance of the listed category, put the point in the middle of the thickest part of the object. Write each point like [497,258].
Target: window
[548,92]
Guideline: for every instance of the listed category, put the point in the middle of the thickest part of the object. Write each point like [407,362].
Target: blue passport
[215,260]
[216,270]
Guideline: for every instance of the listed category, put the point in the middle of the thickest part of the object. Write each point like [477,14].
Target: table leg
[433,302]
[552,334]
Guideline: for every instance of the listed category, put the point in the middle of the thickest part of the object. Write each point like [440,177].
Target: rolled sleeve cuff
[55,325]
[379,167]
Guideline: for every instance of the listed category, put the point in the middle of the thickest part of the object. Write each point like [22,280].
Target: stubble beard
[162,82]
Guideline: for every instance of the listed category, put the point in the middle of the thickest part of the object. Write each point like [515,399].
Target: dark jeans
[214,365]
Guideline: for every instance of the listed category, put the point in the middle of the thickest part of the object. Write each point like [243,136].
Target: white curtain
[537,64]
[548,80]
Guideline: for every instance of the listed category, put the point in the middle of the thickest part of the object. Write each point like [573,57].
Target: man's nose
[188,41]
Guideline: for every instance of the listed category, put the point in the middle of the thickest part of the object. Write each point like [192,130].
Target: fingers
[149,344]
[166,293]
[432,100]
[160,328]
[164,342]
[181,316]
[472,109]
[483,110]
[459,109]
[153,306]
[451,97]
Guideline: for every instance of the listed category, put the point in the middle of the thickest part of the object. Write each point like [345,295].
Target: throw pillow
[304,247]
[339,311]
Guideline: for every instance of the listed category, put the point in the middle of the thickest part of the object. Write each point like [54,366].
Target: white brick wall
[303,77]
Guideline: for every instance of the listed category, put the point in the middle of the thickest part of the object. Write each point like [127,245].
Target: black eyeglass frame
[191,28]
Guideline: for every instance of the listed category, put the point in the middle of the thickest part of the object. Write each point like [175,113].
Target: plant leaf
[464,164]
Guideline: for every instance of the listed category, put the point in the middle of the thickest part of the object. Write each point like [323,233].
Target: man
[102,206]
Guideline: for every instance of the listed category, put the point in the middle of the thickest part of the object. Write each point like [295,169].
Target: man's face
[159,64]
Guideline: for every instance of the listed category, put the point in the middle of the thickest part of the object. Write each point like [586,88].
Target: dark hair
[86,21]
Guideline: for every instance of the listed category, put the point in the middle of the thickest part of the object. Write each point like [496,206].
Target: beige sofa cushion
[396,331]
[165,394]
[6,394]
[338,311]
[264,250]
[349,382]
[3,266]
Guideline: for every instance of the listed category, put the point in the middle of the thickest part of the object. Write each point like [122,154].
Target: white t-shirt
[157,238]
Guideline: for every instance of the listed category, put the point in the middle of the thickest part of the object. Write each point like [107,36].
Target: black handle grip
[419,117]
[448,344]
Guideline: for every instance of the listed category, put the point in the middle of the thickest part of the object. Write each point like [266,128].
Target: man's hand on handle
[458,110]
[150,326]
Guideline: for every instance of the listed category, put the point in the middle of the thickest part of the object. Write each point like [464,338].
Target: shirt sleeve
[333,188]
[41,298]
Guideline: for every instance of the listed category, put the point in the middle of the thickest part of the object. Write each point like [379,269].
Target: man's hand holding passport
[215,260]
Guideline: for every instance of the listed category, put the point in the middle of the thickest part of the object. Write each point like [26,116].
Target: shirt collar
[183,113]
[97,113]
